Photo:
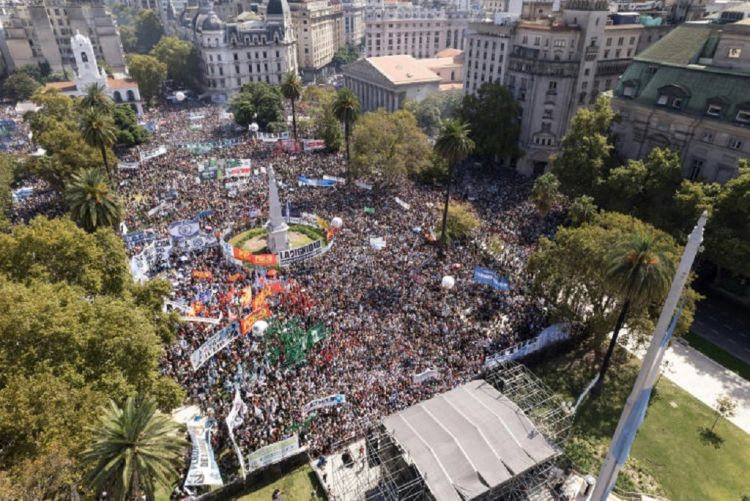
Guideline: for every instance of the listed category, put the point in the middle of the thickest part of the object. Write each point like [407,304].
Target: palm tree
[638,269]
[545,193]
[291,88]
[346,108]
[96,97]
[134,450]
[99,131]
[454,144]
[91,201]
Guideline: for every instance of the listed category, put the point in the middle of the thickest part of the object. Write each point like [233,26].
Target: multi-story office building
[258,49]
[689,92]
[319,28]
[39,33]
[414,30]
[354,21]
[552,66]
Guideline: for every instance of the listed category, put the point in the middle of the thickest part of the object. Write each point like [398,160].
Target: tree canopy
[436,108]
[148,30]
[257,102]
[149,73]
[181,59]
[388,146]
[569,273]
[492,115]
[20,86]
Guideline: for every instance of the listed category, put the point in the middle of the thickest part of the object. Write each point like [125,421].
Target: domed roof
[212,23]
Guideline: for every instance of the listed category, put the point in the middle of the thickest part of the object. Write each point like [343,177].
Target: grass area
[718,355]
[674,455]
[296,486]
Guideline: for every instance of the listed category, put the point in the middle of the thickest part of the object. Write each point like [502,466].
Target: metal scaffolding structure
[386,472]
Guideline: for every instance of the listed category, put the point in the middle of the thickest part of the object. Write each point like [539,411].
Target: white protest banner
[329,401]
[214,344]
[234,419]
[313,144]
[203,468]
[161,150]
[239,171]
[426,376]
[204,320]
[403,204]
[156,209]
[308,251]
[128,165]
[364,186]
[377,243]
[273,453]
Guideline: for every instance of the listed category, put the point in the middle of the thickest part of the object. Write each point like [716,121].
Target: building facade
[388,81]
[354,21]
[414,30]
[121,88]
[552,67]
[39,33]
[258,49]
[319,28]
[689,92]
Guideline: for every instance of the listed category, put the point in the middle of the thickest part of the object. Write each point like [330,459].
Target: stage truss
[385,472]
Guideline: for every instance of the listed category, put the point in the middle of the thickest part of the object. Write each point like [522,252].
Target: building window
[628,91]
[662,101]
[714,110]
[677,103]
[707,137]
[743,116]
[734,52]
[84,57]
[735,144]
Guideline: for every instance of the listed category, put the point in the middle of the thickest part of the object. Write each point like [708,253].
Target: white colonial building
[120,88]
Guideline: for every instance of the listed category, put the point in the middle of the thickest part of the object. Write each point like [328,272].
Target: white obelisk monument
[278,239]
[635,407]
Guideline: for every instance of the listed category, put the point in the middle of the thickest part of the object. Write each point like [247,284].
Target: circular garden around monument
[254,240]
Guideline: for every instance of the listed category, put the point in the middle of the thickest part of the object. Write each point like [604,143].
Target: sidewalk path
[704,379]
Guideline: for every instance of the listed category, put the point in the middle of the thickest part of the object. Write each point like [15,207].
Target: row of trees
[654,190]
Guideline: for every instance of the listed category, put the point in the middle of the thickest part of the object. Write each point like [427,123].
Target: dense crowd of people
[387,316]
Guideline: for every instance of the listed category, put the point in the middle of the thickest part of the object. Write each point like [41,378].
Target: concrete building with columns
[120,87]
[388,81]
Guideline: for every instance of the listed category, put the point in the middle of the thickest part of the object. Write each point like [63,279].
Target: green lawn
[296,486]
[672,455]
[718,355]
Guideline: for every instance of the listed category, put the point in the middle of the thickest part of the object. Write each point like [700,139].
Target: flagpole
[635,408]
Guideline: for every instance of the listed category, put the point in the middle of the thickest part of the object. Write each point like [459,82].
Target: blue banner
[205,213]
[306,181]
[489,277]
[138,237]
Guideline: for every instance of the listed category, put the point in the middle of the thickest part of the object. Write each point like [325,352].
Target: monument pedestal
[277,238]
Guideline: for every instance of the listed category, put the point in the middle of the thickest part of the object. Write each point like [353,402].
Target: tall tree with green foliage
[328,128]
[149,73]
[91,202]
[257,102]
[180,58]
[96,98]
[492,116]
[20,86]
[582,210]
[585,150]
[728,229]
[346,107]
[453,144]
[388,146]
[545,193]
[291,88]
[460,222]
[129,132]
[569,273]
[435,108]
[99,131]
[136,450]
[148,30]
[639,269]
